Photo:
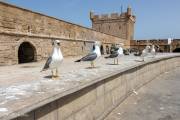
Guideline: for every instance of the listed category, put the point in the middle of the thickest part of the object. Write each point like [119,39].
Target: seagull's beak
[57,42]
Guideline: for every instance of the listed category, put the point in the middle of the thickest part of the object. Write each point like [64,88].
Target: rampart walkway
[93,93]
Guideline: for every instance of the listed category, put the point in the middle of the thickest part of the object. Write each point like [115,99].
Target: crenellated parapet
[117,24]
[112,16]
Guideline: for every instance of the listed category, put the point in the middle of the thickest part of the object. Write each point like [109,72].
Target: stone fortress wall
[120,25]
[27,33]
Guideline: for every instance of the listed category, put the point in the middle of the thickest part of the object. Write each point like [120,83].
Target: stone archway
[176,50]
[26,53]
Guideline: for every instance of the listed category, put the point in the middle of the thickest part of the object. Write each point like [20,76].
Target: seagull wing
[116,49]
[113,55]
[48,62]
[121,51]
[89,57]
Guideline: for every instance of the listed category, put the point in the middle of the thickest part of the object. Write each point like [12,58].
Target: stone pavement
[23,87]
[158,100]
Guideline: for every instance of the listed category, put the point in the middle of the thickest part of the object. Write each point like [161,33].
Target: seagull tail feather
[78,60]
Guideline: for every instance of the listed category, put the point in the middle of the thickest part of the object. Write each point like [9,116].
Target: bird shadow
[28,66]
[48,77]
[92,67]
[111,64]
[52,78]
[139,60]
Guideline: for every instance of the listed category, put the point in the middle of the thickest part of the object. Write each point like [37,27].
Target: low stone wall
[96,99]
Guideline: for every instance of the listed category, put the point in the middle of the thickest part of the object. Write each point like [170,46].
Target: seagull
[93,55]
[115,54]
[54,60]
[153,51]
[145,52]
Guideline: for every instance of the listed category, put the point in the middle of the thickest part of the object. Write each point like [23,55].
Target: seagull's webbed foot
[92,64]
[55,76]
[117,61]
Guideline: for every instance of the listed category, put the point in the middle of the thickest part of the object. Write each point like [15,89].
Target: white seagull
[116,54]
[92,56]
[153,51]
[145,52]
[54,60]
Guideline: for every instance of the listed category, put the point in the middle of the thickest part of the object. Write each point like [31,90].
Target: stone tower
[120,25]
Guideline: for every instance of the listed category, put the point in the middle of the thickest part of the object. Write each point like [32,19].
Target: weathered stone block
[47,112]
[97,108]
[108,102]
[84,114]
[73,103]
[110,84]
[100,89]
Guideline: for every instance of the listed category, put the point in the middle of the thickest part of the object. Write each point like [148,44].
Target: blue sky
[155,18]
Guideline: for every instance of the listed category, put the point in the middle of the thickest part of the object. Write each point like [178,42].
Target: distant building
[120,25]
[160,44]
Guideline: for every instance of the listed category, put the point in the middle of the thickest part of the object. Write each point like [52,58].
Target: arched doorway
[26,53]
[176,50]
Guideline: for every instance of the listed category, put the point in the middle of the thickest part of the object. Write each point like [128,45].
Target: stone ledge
[83,86]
